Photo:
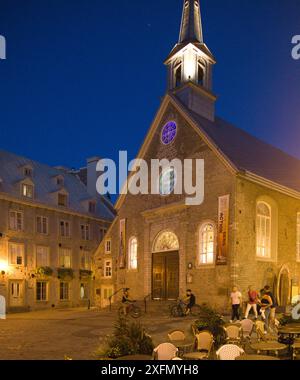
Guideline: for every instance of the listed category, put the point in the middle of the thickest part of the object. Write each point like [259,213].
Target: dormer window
[92,207]
[27,190]
[28,172]
[60,181]
[62,200]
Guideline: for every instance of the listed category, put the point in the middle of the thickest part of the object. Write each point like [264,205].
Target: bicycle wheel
[176,311]
[195,310]
[135,312]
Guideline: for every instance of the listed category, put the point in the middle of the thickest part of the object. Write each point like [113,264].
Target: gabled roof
[44,186]
[251,154]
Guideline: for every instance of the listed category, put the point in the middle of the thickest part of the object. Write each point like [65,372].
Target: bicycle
[132,310]
[180,310]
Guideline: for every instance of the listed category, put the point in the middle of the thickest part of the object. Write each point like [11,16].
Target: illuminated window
[206,244]
[27,190]
[64,228]
[108,246]
[16,254]
[298,236]
[16,220]
[64,291]
[167,181]
[42,225]
[85,261]
[132,259]
[65,256]
[42,256]
[108,269]
[42,291]
[263,230]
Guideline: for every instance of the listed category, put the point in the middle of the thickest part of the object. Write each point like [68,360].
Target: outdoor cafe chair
[176,335]
[165,351]
[229,352]
[204,343]
[247,330]
[233,334]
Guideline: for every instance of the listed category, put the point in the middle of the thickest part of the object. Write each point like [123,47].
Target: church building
[246,231]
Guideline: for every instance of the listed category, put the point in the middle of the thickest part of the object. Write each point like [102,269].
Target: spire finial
[191,23]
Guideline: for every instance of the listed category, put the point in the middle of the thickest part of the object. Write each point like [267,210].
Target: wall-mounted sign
[223,230]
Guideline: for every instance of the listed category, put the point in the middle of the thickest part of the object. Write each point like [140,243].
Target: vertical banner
[223,230]
[122,252]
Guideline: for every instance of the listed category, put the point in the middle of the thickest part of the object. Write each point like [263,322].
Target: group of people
[263,304]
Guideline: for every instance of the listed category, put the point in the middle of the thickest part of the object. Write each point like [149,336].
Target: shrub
[129,338]
[44,271]
[65,273]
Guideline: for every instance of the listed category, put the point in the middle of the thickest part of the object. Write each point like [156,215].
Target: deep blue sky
[85,77]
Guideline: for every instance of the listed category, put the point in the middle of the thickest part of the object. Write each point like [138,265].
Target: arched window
[206,244]
[200,74]
[263,230]
[132,257]
[178,76]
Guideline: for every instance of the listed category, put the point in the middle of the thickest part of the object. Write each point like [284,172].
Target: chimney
[92,175]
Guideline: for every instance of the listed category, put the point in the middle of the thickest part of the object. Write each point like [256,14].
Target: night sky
[85,77]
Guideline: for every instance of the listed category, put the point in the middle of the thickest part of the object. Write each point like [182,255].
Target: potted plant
[44,271]
[65,273]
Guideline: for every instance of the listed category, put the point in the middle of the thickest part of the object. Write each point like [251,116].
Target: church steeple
[190,62]
[191,24]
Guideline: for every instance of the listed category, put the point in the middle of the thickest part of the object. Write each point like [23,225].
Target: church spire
[191,23]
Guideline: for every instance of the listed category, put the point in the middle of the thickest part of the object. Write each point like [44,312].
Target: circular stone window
[169,133]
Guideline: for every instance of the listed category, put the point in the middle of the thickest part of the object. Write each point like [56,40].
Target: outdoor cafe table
[268,347]
[136,357]
[183,345]
[256,357]
[291,331]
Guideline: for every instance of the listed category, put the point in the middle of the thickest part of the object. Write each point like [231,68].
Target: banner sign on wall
[223,230]
[122,252]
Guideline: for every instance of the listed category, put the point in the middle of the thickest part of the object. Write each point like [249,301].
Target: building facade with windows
[50,227]
[247,229]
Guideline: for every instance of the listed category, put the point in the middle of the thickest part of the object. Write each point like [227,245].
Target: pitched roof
[251,154]
[43,177]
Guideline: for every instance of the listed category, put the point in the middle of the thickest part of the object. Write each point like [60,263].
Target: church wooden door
[165,284]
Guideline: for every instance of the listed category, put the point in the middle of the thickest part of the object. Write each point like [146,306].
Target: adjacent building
[246,231]
[51,222]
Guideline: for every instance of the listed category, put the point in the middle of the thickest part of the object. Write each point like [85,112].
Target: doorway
[165,275]
[16,293]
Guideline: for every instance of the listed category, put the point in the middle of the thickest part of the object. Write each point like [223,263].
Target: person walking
[236,301]
[253,300]
[267,290]
[266,304]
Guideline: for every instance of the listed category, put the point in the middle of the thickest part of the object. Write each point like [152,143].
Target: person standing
[267,290]
[252,302]
[236,301]
[266,304]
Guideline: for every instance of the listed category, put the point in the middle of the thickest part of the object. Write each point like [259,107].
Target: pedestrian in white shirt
[236,301]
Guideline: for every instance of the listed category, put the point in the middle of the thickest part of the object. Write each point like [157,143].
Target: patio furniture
[268,347]
[233,333]
[229,352]
[177,358]
[136,357]
[256,357]
[261,334]
[247,329]
[165,351]
[204,344]
[295,350]
[176,335]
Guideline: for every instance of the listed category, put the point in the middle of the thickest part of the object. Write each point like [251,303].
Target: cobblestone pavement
[76,333]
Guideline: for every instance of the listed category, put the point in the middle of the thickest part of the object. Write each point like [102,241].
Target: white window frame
[46,251]
[63,263]
[44,222]
[85,232]
[133,256]
[206,249]
[22,255]
[263,238]
[108,270]
[65,291]
[108,246]
[64,228]
[45,298]
[14,223]
[24,190]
